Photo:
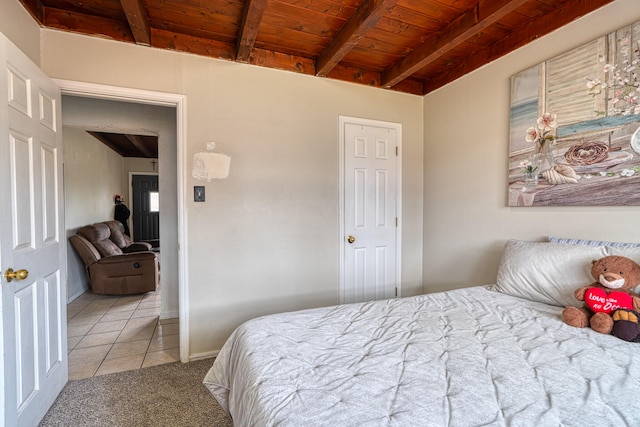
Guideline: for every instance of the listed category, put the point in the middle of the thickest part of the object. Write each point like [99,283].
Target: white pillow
[546,272]
[629,252]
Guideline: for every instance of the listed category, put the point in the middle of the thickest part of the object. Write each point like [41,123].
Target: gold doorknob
[18,275]
[351,239]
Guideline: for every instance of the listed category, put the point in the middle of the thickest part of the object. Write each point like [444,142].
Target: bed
[484,355]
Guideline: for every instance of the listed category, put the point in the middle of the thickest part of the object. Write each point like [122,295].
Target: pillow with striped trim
[568,241]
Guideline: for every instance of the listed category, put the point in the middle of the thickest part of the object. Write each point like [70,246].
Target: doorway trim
[342,121]
[140,96]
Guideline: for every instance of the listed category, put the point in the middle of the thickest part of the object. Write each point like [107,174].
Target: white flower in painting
[547,121]
[609,67]
[627,172]
[603,174]
[593,84]
[525,163]
[532,134]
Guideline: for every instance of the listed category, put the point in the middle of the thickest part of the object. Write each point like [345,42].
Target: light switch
[198,193]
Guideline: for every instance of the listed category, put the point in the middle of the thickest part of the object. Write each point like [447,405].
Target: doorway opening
[172,259]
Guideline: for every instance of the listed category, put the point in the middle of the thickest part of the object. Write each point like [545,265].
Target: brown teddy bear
[615,277]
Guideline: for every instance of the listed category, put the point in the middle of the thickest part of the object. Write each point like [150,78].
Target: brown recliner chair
[112,271]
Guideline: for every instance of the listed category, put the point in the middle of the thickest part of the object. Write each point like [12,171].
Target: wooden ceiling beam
[569,12]
[138,21]
[251,18]
[467,25]
[363,19]
[140,145]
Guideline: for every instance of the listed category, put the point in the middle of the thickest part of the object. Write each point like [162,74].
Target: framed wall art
[575,126]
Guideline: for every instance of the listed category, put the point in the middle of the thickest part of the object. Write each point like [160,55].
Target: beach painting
[574,137]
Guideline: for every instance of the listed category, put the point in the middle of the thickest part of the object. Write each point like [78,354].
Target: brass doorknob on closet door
[18,275]
[351,239]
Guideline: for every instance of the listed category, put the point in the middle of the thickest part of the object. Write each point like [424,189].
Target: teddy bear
[615,277]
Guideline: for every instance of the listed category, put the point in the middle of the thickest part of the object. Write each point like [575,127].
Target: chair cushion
[117,236]
[107,248]
[98,235]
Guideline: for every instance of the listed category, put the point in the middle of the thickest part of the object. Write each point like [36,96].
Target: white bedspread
[468,357]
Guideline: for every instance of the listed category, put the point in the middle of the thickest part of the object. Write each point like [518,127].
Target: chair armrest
[137,247]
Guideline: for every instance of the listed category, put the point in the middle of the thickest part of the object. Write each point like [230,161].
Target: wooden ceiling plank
[251,18]
[137,141]
[138,21]
[192,44]
[87,24]
[363,19]
[467,25]
[281,61]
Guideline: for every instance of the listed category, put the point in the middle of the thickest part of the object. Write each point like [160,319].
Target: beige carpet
[165,395]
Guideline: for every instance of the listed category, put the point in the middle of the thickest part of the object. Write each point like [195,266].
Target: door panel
[53,327]
[26,323]
[34,368]
[48,196]
[370,212]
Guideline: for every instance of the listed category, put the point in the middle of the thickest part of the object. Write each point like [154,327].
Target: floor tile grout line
[139,301]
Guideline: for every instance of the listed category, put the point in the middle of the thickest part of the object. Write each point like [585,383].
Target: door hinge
[396,221]
[396,151]
[396,292]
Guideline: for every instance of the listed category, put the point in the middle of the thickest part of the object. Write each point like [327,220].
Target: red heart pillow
[598,300]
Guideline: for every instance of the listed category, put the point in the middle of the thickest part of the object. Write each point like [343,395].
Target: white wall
[16,23]
[266,239]
[466,218]
[93,174]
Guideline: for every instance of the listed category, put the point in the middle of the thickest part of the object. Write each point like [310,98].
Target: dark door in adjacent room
[146,209]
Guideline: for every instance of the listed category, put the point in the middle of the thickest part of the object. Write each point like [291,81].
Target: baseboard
[205,355]
[76,295]
[169,315]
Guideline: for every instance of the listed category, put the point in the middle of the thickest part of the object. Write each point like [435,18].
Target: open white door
[33,332]
[370,268]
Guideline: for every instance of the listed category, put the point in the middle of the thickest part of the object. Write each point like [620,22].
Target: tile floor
[108,334]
